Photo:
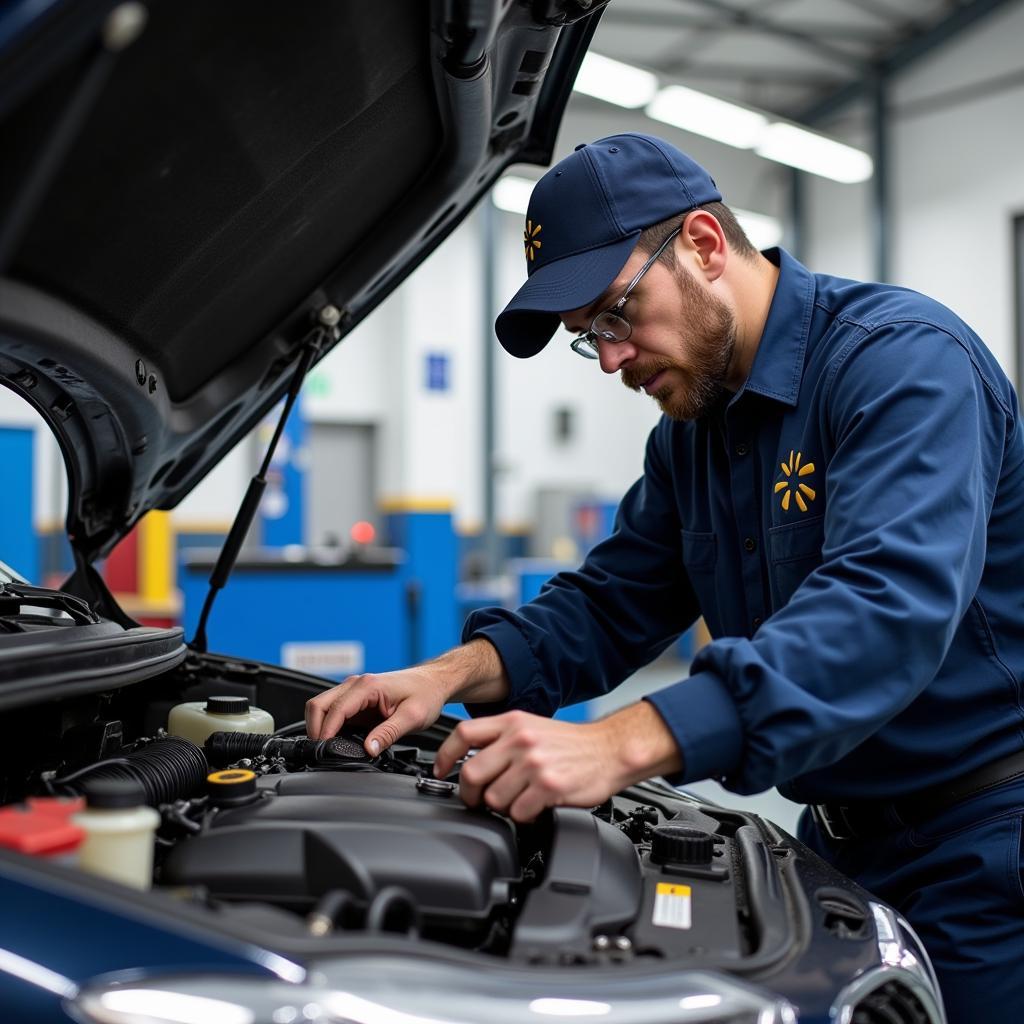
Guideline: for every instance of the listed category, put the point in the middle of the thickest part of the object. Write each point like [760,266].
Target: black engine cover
[314,832]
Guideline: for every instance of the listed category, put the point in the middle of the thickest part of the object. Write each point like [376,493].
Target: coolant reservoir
[119,832]
[196,719]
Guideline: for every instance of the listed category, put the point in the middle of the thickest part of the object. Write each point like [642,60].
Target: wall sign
[334,660]
[437,371]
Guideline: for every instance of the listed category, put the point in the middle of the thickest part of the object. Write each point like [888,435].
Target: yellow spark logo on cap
[798,491]
[530,240]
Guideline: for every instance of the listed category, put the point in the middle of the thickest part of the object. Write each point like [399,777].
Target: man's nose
[615,354]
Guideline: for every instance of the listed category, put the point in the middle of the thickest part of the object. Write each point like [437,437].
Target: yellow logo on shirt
[530,240]
[791,489]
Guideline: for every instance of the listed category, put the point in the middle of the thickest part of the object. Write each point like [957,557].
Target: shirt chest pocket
[700,557]
[795,551]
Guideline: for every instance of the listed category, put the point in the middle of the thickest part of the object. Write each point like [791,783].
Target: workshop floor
[669,669]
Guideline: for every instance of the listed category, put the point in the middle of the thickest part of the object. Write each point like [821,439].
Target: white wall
[214,502]
[429,440]
[956,180]
[441,445]
[959,179]
[839,218]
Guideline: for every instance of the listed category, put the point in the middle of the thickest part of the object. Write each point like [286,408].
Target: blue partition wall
[18,546]
[304,616]
[334,619]
[431,551]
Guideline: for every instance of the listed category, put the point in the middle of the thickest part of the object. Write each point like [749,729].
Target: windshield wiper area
[15,598]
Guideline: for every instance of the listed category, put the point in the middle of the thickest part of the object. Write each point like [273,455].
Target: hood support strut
[327,329]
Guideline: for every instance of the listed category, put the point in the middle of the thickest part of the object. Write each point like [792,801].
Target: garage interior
[424,473]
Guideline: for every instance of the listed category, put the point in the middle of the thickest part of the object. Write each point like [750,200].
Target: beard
[705,355]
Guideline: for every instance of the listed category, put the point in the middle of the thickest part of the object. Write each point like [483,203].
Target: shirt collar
[779,361]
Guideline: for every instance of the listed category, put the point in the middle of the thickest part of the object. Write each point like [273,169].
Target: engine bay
[314,839]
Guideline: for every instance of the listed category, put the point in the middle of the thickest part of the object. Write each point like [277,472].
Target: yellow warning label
[672,906]
[666,889]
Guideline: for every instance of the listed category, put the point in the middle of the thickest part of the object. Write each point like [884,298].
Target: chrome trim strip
[373,989]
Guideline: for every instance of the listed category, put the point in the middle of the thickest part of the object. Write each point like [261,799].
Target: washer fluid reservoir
[196,719]
[119,831]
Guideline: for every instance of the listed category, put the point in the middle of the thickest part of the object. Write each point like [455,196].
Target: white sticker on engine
[335,660]
[672,906]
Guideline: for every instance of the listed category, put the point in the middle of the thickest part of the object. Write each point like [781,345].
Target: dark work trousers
[957,879]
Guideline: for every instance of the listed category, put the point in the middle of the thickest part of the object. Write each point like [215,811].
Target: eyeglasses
[612,325]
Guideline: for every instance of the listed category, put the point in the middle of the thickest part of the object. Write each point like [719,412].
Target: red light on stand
[362,533]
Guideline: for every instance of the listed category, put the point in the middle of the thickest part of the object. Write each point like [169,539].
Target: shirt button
[750,544]
[741,449]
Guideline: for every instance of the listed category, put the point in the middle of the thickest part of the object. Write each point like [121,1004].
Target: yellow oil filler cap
[231,786]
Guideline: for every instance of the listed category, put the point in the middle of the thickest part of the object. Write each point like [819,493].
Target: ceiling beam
[886,13]
[871,37]
[741,16]
[901,57]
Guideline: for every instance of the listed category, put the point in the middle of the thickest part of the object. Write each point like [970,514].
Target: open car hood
[186,188]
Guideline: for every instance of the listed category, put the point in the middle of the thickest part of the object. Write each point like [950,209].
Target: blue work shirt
[850,524]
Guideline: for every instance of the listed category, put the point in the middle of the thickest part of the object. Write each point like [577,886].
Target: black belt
[872,818]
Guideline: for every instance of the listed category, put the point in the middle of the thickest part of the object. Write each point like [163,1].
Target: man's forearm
[641,742]
[636,737]
[473,672]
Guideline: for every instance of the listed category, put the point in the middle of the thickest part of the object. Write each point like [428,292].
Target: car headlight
[902,986]
[393,990]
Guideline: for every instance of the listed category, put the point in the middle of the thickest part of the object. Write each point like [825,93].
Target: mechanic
[837,486]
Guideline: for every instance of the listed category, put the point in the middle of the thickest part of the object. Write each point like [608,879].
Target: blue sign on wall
[437,371]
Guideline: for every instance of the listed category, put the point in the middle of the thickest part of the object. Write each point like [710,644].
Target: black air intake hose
[169,769]
[225,748]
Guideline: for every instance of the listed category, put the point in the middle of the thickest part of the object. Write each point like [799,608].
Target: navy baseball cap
[584,220]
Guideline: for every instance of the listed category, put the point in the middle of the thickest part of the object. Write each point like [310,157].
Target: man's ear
[704,241]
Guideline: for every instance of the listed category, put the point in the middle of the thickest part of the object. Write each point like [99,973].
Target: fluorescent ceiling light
[615,82]
[809,151]
[735,125]
[512,193]
[762,230]
[705,115]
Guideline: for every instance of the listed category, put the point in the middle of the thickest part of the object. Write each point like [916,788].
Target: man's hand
[410,699]
[402,702]
[526,763]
